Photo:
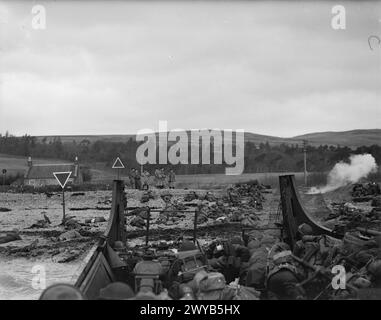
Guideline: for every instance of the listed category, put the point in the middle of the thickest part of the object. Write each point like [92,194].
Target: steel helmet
[61,292]
[118,245]
[374,268]
[305,229]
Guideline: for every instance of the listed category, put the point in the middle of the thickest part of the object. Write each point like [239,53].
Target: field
[100,174]
[18,164]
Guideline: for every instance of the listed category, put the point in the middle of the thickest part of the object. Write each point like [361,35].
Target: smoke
[343,173]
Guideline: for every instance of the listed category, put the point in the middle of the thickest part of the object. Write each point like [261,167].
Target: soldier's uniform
[284,278]
[132,178]
[145,180]
[231,259]
[159,180]
[171,179]
[163,177]
[317,250]
[138,181]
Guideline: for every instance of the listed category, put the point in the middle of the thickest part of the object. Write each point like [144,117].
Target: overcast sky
[275,68]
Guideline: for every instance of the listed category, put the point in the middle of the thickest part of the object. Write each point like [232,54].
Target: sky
[116,67]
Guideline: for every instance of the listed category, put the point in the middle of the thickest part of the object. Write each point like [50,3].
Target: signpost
[4,173]
[63,178]
[118,164]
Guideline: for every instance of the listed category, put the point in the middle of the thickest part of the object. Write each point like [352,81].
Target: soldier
[61,292]
[189,261]
[230,258]
[163,178]
[171,179]
[374,269]
[283,280]
[116,291]
[132,178]
[145,180]
[371,291]
[138,182]
[213,286]
[158,179]
[314,249]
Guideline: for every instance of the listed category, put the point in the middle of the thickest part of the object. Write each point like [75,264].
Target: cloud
[267,67]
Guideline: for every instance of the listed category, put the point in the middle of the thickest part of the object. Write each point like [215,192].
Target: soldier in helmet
[171,179]
[373,291]
[374,269]
[230,258]
[138,180]
[312,248]
[145,180]
[61,291]
[131,176]
[158,179]
[284,277]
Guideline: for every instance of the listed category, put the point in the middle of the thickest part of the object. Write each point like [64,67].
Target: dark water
[17,277]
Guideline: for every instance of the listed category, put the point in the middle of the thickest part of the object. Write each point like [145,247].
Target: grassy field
[16,164]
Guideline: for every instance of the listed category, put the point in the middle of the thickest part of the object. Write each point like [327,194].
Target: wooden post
[63,205]
[305,161]
[147,225]
[195,225]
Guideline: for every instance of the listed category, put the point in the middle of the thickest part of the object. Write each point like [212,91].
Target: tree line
[261,157]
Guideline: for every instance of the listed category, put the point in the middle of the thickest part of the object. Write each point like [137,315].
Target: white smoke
[343,173]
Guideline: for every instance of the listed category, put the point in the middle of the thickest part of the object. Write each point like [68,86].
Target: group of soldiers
[321,267]
[248,268]
[143,180]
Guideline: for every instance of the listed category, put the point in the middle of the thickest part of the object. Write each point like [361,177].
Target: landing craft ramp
[294,212]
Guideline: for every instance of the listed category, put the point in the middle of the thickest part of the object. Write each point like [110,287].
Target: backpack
[187,264]
[212,286]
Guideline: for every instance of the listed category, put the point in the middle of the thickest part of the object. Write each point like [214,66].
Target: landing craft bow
[98,272]
[294,213]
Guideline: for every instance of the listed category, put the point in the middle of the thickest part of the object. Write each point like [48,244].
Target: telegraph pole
[4,171]
[305,161]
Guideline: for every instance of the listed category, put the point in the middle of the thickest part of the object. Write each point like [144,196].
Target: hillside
[353,138]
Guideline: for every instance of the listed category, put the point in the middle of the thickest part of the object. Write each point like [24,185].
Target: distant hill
[91,138]
[352,139]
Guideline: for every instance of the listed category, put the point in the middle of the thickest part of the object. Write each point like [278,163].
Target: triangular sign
[62,177]
[118,164]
